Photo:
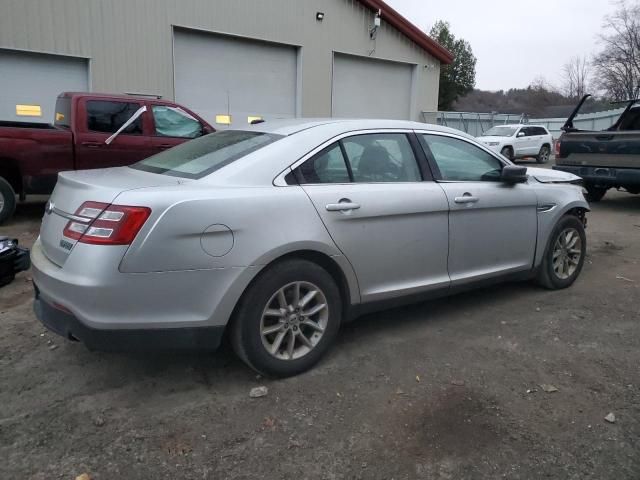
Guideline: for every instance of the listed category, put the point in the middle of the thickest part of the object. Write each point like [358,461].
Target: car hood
[492,139]
[545,175]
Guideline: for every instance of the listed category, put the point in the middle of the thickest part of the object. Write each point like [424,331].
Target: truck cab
[89,131]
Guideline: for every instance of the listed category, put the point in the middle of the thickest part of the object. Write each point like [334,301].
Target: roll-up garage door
[219,76]
[371,88]
[31,82]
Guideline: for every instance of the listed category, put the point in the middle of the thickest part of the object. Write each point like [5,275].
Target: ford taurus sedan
[276,234]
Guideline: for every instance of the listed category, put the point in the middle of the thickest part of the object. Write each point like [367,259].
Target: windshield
[202,156]
[500,132]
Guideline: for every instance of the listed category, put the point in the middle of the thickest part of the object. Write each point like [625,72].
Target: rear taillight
[106,224]
[557,148]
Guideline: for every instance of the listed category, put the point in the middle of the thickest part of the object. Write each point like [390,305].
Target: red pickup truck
[89,131]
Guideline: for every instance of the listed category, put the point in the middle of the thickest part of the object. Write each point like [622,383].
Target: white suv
[519,141]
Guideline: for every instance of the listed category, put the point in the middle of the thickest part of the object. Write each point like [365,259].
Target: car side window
[327,166]
[175,122]
[381,157]
[107,116]
[460,161]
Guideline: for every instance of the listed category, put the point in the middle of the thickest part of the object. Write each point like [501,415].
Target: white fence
[477,123]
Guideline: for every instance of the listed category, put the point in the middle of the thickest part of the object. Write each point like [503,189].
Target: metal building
[229,60]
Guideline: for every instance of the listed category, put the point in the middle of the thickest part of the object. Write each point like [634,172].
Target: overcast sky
[515,41]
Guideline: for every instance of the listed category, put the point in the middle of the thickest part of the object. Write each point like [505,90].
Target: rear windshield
[500,132]
[202,156]
[62,116]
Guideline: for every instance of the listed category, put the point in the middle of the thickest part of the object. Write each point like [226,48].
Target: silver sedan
[277,234]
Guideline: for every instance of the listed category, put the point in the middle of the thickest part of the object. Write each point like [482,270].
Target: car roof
[294,125]
[518,125]
[122,96]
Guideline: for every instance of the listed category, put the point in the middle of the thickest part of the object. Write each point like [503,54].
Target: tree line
[611,74]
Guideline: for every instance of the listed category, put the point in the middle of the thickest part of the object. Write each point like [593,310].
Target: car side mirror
[514,174]
[520,134]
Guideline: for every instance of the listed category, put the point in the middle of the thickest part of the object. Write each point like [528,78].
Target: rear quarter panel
[265,223]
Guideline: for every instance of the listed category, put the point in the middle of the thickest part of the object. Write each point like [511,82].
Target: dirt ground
[442,390]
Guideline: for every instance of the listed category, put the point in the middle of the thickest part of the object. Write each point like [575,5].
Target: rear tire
[508,152]
[543,154]
[274,331]
[594,194]
[7,201]
[564,256]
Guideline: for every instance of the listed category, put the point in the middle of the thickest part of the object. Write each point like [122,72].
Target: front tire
[565,254]
[543,154]
[508,152]
[287,319]
[7,201]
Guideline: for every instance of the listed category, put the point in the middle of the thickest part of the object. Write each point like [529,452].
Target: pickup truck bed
[604,159]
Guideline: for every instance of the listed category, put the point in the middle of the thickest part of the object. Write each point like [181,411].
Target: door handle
[165,145]
[466,198]
[604,137]
[342,206]
[92,144]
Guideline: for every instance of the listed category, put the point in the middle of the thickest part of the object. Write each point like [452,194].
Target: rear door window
[328,166]
[107,116]
[381,157]
[175,122]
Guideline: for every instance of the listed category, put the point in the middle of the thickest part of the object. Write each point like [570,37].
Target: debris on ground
[84,476]
[418,378]
[457,383]
[532,390]
[99,421]
[537,309]
[258,392]
[548,388]
[620,277]
[399,392]
[611,418]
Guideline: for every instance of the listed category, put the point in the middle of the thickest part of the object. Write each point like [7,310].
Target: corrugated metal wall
[130,42]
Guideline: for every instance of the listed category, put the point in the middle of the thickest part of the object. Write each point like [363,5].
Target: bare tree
[576,73]
[618,64]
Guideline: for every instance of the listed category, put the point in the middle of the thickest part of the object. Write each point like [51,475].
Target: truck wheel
[543,154]
[564,256]
[594,194]
[287,319]
[508,152]
[7,200]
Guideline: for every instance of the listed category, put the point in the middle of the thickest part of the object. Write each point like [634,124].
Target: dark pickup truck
[604,159]
[89,131]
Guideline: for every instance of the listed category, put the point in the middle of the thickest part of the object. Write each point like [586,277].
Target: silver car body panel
[207,239]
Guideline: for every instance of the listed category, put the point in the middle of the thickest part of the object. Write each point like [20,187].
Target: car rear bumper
[90,287]
[65,324]
[604,176]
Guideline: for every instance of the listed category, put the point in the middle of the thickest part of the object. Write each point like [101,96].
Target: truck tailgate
[602,149]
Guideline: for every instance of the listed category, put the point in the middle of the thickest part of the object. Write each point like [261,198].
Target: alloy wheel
[567,253]
[294,320]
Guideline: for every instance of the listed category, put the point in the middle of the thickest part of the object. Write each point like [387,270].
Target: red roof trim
[407,28]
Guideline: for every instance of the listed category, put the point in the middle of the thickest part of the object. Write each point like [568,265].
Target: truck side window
[108,116]
[175,122]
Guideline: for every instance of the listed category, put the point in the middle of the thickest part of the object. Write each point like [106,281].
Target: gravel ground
[449,389]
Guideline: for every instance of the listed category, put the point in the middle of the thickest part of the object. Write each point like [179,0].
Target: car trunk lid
[75,188]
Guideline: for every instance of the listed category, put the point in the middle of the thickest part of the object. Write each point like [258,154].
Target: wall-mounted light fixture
[319,16]
[377,20]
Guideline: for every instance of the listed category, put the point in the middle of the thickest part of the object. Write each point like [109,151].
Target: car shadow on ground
[217,368]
